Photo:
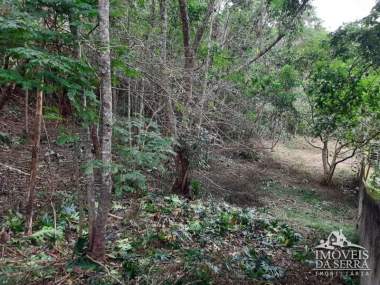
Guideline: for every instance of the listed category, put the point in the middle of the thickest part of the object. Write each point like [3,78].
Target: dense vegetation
[143,96]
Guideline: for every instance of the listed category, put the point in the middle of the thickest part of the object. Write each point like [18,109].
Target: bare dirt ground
[54,176]
[292,164]
[296,154]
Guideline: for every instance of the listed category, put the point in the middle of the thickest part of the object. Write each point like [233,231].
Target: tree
[97,244]
[182,161]
[34,163]
[338,90]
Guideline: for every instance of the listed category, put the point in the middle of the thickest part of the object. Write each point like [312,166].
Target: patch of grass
[307,209]
[319,223]
[307,195]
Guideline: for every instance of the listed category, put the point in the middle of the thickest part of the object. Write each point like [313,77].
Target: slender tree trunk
[153,13]
[182,159]
[34,164]
[86,144]
[172,122]
[97,249]
[129,113]
[141,112]
[26,112]
[188,52]
[86,138]
[205,80]
[330,176]
[114,101]
[182,182]
[325,161]
[328,167]
[90,184]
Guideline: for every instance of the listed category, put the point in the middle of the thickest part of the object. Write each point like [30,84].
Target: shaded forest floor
[254,223]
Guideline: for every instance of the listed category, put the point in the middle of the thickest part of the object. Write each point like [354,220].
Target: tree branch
[348,157]
[202,27]
[315,146]
[273,43]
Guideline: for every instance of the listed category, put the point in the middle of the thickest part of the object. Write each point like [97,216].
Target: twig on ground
[14,169]
[114,216]
[105,268]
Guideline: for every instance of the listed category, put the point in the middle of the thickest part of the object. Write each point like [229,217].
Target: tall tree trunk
[34,163]
[328,167]
[97,249]
[115,96]
[26,112]
[153,13]
[188,52]
[85,143]
[205,79]
[129,113]
[325,161]
[171,119]
[90,182]
[182,182]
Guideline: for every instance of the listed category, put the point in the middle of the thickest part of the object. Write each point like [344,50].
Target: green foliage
[258,266]
[45,220]
[227,221]
[129,181]
[304,254]
[141,149]
[131,269]
[66,137]
[123,246]
[342,88]
[46,234]
[281,233]
[195,227]
[51,113]
[14,221]
[196,187]
[350,280]
[5,139]
[81,244]
[40,56]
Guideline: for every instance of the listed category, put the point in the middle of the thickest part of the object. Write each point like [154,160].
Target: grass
[305,208]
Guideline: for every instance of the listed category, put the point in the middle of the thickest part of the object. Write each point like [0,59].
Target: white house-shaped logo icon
[336,239]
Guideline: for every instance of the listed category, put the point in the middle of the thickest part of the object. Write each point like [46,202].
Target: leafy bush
[131,269]
[47,234]
[259,267]
[5,139]
[141,149]
[196,187]
[51,113]
[14,221]
[281,233]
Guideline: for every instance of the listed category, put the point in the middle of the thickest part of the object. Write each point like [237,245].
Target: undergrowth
[167,240]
